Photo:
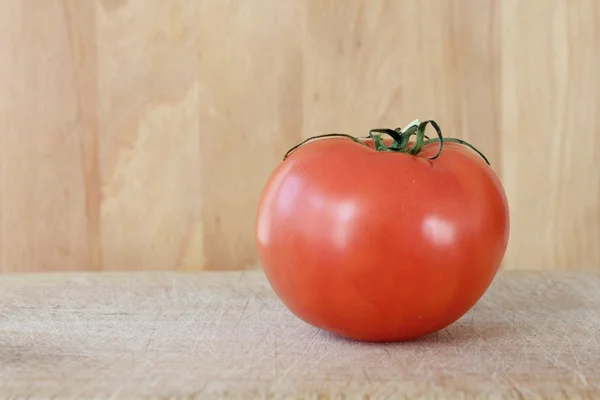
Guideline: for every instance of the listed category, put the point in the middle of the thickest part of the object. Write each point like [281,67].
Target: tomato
[382,239]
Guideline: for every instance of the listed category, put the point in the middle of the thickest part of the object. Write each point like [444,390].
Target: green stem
[357,140]
[401,138]
[420,141]
[378,141]
[459,141]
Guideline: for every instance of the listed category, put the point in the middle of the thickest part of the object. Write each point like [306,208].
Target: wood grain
[138,134]
[48,184]
[150,146]
[251,111]
[225,335]
[550,132]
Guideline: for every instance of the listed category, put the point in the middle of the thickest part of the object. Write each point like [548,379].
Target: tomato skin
[381,246]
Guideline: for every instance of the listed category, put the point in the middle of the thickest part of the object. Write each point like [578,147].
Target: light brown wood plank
[48,179]
[251,65]
[149,147]
[551,132]
[138,134]
[225,335]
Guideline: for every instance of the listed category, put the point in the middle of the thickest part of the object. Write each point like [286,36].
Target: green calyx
[401,138]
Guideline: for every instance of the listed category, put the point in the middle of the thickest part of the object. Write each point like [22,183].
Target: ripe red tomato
[382,240]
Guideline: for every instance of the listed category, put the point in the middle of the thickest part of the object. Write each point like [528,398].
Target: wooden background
[137,134]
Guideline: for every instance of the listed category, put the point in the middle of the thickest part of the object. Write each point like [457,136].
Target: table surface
[222,335]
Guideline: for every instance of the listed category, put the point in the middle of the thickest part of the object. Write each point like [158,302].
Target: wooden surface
[137,134]
[202,335]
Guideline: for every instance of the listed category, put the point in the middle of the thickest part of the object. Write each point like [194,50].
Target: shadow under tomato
[457,333]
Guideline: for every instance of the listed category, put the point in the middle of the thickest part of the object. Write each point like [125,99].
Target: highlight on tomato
[386,237]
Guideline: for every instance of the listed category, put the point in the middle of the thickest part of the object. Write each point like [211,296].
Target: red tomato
[379,244]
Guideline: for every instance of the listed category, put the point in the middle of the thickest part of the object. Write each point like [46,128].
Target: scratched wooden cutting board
[225,335]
